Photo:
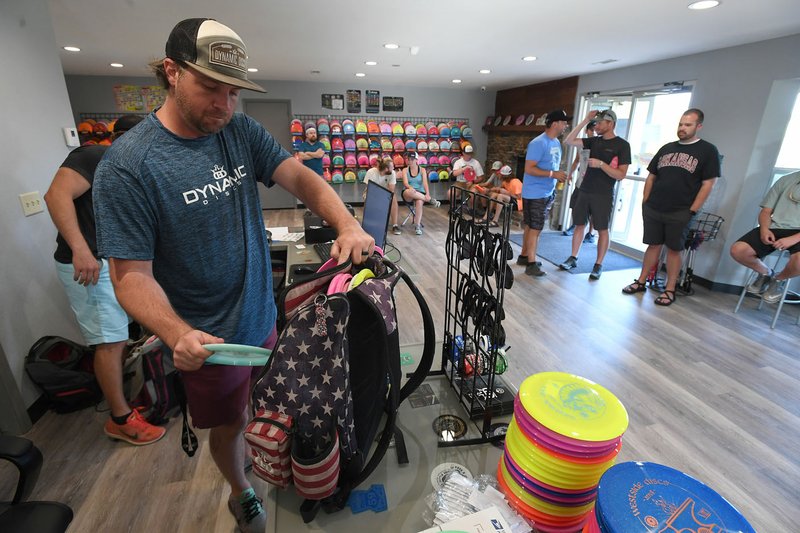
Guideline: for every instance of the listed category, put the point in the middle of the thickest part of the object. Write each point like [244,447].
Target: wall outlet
[71,137]
[31,203]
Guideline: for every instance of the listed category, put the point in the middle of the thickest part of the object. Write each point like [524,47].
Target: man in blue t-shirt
[179,217]
[542,164]
[311,151]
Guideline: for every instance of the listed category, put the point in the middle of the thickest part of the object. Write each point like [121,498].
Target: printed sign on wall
[393,103]
[373,101]
[353,101]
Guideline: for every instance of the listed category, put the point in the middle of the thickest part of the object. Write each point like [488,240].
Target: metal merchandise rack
[477,276]
[702,228]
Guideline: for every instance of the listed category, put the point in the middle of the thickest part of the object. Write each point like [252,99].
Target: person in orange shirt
[509,191]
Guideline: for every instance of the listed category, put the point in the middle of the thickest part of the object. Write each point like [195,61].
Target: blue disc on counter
[638,497]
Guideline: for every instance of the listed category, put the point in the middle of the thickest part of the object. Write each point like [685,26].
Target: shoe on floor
[774,292]
[418,230]
[435,203]
[248,511]
[570,263]
[761,283]
[589,238]
[136,430]
[535,269]
[396,230]
[597,271]
[522,260]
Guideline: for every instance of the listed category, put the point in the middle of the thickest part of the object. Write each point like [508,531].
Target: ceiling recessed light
[529,58]
[703,4]
[456,81]
[485,71]
[251,69]
[395,65]
[391,46]
[370,63]
[360,75]
[314,71]
[116,65]
[72,49]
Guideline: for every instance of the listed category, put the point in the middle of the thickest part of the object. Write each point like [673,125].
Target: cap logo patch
[228,55]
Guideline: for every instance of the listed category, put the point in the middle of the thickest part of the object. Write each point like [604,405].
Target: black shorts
[753,238]
[670,228]
[596,205]
[535,210]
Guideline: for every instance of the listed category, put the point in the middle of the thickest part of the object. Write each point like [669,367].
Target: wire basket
[704,227]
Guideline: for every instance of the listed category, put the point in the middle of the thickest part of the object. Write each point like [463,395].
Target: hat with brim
[212,49]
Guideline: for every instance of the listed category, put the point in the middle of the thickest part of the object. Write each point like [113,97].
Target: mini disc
[449,427]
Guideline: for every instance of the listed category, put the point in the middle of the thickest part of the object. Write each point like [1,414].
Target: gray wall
[747,94]
[32,302]
[95,94]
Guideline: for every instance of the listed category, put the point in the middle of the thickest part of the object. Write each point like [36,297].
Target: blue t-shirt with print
[191,206]
[547,154]
[315,163]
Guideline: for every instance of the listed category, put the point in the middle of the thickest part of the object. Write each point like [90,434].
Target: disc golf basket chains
[702,228]
[477,276]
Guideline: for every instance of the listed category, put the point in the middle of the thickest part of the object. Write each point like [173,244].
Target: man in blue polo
[542,164]
[311,151]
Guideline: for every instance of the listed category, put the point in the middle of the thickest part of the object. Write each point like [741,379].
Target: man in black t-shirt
[682,174]
[609,157]
[87,282]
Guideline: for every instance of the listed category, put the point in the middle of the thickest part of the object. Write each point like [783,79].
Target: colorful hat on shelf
[422,145]
[321,121]
[422,161]
[397,128]
[296,142]
[326,160]
[433,160]
[362,144]
[373,159]
[444,175]
[386,128]
[324,128]
[433,146]
[466,132]
[386,144]
[433,131]
[362,173]
[433,176]
[350,145]
[411,146]
[398,145]
[411,131]
[337,145]
[422,131]
[444,145]
[337,176]
[326,175]
[349,176]
[363,159]
[444,130]
[361,127]
[398,160]
[373,128]
[455,147]
[336,128]
[326,143]
[348,127]
[295,127]
[455,132]
[374,145]
[338,161]
[444,160]
[350,160]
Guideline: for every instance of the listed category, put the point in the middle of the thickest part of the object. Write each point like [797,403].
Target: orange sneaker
[136,430]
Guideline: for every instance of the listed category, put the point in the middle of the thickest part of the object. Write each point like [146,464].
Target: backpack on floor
[62,369]
[333,377]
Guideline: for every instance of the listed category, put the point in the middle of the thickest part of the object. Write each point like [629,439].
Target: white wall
[747,93]
[36,106]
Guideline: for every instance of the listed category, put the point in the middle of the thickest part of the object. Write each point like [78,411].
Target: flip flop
[666,298]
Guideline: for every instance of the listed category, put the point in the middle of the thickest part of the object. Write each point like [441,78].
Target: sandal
[666,298]
[636,286]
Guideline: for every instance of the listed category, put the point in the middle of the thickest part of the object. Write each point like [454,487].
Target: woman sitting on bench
[415,189]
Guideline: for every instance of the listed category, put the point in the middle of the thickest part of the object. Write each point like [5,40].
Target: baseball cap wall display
[211,49]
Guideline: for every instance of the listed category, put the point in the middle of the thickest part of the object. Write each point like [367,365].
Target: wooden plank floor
[711,393]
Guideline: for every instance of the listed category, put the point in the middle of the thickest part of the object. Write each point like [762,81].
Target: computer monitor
[377,207]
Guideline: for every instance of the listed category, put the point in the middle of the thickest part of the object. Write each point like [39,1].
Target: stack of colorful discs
[565,433]
[642,497]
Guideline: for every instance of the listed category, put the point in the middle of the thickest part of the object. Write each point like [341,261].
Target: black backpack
[62,369]
[360,326]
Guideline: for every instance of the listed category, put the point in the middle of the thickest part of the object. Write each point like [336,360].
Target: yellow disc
[541,472]
[538,504]
[573,406]
[541,456]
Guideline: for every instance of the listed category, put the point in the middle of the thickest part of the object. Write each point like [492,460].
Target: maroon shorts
[217,395]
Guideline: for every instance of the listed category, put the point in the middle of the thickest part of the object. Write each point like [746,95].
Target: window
[789,156]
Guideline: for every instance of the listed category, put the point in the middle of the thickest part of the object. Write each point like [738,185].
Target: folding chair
[788,296]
